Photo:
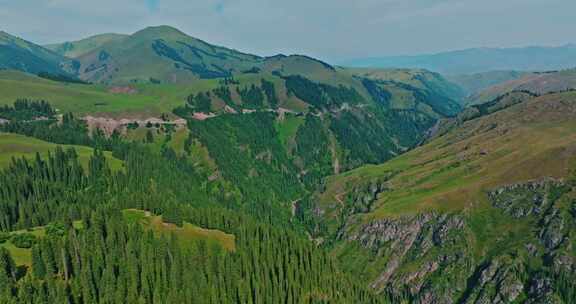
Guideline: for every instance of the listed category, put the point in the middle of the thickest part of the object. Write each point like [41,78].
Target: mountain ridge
[76,48]
[450,220]
[537,83]
[17,53]
[478,60]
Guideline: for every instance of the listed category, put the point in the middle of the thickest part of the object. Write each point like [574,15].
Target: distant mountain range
[478,60]
[537,83]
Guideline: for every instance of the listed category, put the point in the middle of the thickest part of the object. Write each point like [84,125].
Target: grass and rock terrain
[158,168]
[482,213]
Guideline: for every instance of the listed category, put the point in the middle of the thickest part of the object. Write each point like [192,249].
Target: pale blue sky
[328,29]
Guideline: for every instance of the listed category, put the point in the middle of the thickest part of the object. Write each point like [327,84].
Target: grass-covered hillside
[311,119]
[15,147]
[474,83]
[74,49]
[186,233]
[160,54]
[142,101]
[480,213]
[538,83]
[19,54]
[418,78]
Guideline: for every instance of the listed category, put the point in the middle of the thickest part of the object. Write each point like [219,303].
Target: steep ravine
[518,248]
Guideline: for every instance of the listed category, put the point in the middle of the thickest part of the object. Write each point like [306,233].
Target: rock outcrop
[430,257]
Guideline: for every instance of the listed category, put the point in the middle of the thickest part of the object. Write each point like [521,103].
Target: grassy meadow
[17,146]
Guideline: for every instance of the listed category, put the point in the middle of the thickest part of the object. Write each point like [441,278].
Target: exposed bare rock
[523,199]
[109,125]
[402,240]
[498,283]
[429,257]
[552,234]
[123,90]
[540,291]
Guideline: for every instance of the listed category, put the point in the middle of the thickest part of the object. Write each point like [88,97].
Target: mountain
[161,54]
[353,117]
[481,214]
[479,60]
[538,83]
[415,78]
[74,49]
[190,173]
[474,83]
[19,54]
[328,120]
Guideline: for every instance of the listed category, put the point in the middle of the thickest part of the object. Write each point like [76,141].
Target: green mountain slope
[298,101]
[474,83]
[161,54]
[538,83]
[19,54]
[294,119]
[304,127]
[74,49]
[93,235]
[82,99]
[312,183]
[412,88]
[482,213]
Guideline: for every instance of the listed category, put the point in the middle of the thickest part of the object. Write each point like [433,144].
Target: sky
[332,30]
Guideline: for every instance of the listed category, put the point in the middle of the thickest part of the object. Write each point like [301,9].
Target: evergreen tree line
[252,97]
[25,109]
[59,189]
[109,260]
[321,96]
[69,130]
[250,155]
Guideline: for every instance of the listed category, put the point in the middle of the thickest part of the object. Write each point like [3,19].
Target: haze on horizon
[332,30]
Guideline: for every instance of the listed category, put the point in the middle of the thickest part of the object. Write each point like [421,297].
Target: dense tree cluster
[25,109]
[223,92]
[270,91]
[321,96]
[201,102]
[430,97]
[69,130]
[252,96]
[108,259]
[247,149]
[386,138]
[313,148]
[379,94]
[112,261]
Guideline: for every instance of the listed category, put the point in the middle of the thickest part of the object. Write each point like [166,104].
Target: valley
[408,218]
[155,167]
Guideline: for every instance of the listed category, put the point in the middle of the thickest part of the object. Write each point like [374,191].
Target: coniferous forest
[91,252]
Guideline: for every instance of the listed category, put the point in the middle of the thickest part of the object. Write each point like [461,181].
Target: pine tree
[38,266]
